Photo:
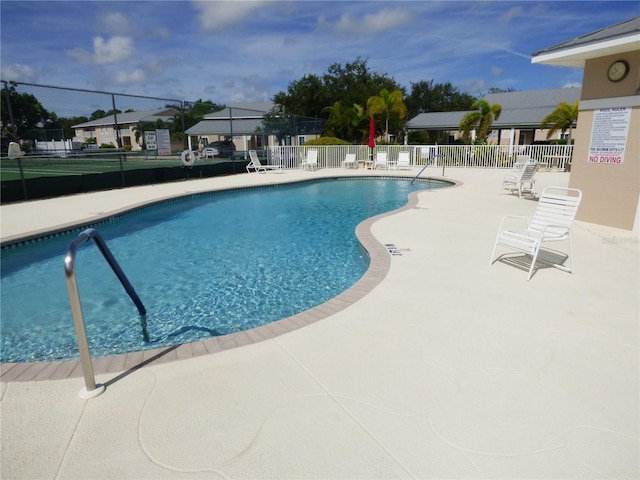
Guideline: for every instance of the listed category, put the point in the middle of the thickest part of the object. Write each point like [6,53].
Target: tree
[479,120]
[307,96]
[501,90]
[348,84]
[427,96]
[562,118]
[27,112]
[390,104]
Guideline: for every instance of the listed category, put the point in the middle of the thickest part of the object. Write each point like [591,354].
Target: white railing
[455,156]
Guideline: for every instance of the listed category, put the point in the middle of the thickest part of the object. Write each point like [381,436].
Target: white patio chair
[310,162]
[257,166]
[523,180]
[521,161]
[349,161]
[403,161]
[551,222]
[380,161]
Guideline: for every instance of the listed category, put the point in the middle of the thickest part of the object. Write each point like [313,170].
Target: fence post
[13,125]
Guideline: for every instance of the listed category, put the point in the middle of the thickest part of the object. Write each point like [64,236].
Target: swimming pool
[205,265]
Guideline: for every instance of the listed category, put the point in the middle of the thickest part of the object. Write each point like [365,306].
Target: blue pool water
[206,265]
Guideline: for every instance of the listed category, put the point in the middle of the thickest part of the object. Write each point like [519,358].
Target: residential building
[104,131]
[518,124]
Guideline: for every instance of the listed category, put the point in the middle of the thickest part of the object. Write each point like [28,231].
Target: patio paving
[446,367]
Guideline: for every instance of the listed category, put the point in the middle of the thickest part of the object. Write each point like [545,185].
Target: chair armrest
[563,230]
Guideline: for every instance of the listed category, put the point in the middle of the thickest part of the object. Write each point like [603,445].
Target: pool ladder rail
[429,162]
[92,390]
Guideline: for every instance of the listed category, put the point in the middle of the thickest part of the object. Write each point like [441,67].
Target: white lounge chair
[521,161]
[551,222]
[310,162]
[350,161]
[522,180]
[403,161]
[255,164]
[380,161]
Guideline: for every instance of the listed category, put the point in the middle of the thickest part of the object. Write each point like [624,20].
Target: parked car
[223,148]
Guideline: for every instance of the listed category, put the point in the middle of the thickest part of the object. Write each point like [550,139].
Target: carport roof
[247,126]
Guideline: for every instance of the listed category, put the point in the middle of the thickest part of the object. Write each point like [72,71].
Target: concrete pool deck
[441,367]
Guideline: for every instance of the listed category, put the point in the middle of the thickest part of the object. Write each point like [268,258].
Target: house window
[301,140]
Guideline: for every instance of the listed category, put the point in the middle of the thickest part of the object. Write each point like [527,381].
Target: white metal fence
[478,156]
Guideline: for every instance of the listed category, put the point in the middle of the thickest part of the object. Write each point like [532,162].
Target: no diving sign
[609,135]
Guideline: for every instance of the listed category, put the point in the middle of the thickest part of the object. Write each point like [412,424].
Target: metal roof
[164,114]
[436,121]
[619,38]
[244,110]
[247,126]
[524,109]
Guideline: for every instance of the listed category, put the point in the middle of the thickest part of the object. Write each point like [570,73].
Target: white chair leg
[495,246]
[570,254]
[533,262]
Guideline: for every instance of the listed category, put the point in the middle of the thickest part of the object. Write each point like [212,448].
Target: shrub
[325,141]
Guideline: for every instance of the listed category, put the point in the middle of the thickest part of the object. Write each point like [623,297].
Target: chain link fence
[74,140]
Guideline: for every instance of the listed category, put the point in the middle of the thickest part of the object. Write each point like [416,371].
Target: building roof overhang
[616,39]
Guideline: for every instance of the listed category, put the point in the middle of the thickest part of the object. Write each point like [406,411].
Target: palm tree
[359,122]
[337,124]
[389,103]
[480,120]
[562,118]
[346,123]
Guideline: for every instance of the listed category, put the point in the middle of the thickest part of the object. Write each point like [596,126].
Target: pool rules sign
[609,135]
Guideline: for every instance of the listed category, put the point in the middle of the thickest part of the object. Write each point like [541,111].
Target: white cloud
[115,49]
[510,14]
[247,89]
[370,23]
[19,73]
[126,78]
[80,56]
[496,71]
[216,16]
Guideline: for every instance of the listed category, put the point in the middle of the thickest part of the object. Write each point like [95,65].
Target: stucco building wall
[611,192]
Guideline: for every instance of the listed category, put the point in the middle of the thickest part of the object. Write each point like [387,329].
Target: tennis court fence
[75,140]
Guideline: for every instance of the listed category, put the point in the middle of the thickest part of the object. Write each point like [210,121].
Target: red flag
[372,133]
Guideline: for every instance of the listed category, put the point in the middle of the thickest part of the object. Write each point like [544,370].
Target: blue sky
[242,51]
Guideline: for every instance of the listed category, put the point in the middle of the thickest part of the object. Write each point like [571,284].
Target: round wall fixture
[618,70]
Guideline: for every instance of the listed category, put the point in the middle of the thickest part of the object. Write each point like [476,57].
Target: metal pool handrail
[91,390]
[425,167]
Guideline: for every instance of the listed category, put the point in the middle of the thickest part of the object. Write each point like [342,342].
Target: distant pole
[118,141]
[233,163]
